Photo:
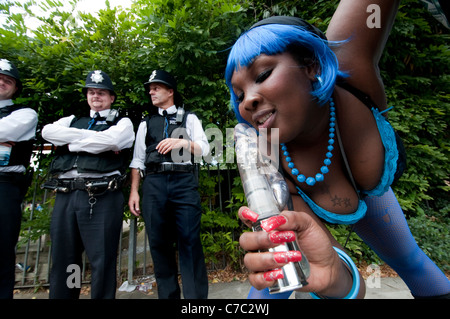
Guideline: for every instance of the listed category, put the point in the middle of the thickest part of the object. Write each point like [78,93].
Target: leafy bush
[432,235]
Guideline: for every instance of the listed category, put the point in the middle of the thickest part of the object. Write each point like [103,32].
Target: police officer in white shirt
[89,168]
[17,132]
[163,154]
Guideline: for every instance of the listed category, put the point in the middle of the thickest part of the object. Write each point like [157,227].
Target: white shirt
[115,138]
[19,126]
[194,130]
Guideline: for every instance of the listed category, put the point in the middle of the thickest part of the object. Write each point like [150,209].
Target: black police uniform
[171,207]
[14,182]
[88,211]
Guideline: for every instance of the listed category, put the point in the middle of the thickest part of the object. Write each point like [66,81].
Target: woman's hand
[328,276]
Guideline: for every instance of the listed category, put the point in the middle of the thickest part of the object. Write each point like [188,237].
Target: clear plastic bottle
[267,195]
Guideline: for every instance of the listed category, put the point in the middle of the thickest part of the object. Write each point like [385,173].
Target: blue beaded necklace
[324,169]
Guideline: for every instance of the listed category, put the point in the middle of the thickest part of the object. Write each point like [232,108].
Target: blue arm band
[355,274]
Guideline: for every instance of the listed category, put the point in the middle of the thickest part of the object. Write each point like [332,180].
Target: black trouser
[73,230]
[10,218]
[172,214]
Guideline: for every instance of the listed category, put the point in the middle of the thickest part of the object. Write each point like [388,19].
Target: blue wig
[272,39]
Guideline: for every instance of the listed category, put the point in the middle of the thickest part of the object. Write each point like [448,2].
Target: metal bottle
[267,195]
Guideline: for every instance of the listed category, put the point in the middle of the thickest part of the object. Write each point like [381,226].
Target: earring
[318,84]
[319,79]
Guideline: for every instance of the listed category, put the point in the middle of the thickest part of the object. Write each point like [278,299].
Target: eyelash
[239,98]
[263,76]
[259,79]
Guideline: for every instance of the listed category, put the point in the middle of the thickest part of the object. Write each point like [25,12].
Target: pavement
[376,288]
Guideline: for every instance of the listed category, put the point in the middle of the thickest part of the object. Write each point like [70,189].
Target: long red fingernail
[252,216]
[273,275]
[279,237]
[285,257]
[271,223]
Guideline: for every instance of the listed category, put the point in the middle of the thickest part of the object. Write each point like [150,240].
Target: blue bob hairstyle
[272,39]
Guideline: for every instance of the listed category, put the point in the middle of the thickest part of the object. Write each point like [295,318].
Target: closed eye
[239,98]
[259,79]
[263,76]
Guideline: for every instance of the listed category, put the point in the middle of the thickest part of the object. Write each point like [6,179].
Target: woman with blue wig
[339,154]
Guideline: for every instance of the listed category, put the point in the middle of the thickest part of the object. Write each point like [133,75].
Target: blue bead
[310,181]
[332,119]
[319,177]
[333,114]
[331,130]
[332,125]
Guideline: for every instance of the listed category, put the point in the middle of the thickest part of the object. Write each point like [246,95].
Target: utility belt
[168,168]
[94,186]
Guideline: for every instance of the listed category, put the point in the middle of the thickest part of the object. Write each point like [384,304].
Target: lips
[264,119]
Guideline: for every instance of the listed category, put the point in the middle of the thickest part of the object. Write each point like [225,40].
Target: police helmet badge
[152,76]
[97,77]
[5,65]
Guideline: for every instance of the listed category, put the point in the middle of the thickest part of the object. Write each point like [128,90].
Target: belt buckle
[167,167]
[79,183]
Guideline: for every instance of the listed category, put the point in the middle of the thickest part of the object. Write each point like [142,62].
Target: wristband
[355,274]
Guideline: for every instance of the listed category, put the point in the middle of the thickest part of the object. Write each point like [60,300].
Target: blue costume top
[391,150]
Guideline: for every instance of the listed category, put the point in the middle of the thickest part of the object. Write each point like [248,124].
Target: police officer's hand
[168,144]
[133,203]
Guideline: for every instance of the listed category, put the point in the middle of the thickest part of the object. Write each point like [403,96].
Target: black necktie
[166,126]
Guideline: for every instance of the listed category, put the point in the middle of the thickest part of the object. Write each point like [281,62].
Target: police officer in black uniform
[89,166]
[165,143]
[17,132]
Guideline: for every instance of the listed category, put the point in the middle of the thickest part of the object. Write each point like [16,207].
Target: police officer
[17,132]
[165,143]
[89,166]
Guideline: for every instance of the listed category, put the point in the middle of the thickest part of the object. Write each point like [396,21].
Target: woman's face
[274,92]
